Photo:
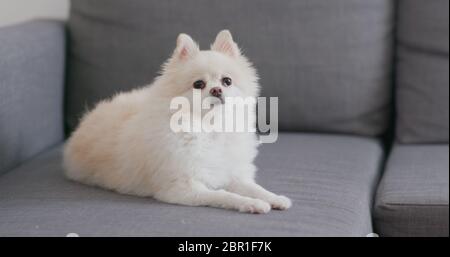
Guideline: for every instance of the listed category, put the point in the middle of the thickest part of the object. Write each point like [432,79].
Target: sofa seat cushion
[412,199]
[330,179]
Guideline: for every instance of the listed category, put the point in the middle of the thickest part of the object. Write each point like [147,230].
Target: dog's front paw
[255,206]
[281,202]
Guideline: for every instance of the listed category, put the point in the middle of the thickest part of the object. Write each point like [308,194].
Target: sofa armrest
[32,59]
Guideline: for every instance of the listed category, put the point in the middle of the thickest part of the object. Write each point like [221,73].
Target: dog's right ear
[186,47]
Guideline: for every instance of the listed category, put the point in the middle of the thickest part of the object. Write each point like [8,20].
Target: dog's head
[217,73]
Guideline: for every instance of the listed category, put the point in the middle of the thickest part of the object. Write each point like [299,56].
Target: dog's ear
[186,47]
[224,43]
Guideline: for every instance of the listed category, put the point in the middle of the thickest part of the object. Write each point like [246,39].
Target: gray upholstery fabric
[413,196]
[32,59]
[328,61]
[329,178]
[423,72]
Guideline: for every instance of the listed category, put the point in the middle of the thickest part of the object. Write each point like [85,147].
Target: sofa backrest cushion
[329,62]
[32,57]
[423,72]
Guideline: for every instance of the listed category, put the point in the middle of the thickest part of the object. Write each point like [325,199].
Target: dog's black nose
[216,91]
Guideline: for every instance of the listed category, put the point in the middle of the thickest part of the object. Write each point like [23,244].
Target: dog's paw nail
[256,207]
[281,202]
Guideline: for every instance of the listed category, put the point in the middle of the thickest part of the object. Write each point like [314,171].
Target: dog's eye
[199,84]
[226,82]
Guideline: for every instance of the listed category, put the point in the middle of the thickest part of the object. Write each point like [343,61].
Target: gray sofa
[363,91]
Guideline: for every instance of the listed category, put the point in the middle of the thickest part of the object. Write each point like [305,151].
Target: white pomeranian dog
[126,143]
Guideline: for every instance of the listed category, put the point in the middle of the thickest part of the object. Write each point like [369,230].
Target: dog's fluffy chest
[214,155]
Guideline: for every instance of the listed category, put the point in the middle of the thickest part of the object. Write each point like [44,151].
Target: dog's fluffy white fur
[126,144]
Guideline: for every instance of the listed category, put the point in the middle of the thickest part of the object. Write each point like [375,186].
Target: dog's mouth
[220,98]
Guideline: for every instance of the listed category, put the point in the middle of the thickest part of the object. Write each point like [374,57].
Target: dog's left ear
[224,43]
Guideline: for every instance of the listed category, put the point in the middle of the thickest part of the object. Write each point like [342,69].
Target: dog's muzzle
[217,92]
